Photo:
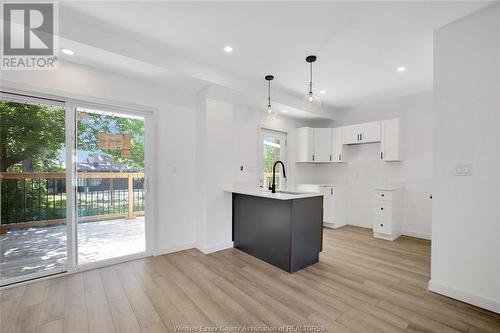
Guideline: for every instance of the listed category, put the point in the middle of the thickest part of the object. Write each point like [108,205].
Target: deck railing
[34,199]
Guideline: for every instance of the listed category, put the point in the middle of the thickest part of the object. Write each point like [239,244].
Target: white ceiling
[359,44]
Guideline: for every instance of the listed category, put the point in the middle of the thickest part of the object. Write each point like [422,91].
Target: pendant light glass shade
[311,100]
[269,110]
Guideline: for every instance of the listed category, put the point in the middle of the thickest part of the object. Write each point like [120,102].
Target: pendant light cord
[310,77]
[269,93]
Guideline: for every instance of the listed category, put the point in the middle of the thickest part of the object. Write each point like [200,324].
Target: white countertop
[263,193]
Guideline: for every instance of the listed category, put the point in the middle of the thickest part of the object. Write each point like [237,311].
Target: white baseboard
[215,248]
[386,237]
[332,225]
[405,233]
[485,303]
[176,248]
[417,235]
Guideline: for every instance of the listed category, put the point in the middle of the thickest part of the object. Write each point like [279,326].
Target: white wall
[364,170]
[214,156]
[173,148]
[466,220]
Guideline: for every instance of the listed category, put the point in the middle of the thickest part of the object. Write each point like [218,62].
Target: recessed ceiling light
[228,49]
[401,69]
[285,111]
[67,51]
[322,92]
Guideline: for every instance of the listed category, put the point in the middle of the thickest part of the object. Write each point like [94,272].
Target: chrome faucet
[273,186]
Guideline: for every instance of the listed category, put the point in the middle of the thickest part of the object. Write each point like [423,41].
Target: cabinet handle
[340,157]
[382,194]
[381,155]
[331,191]
[361,137]
[358,136]
[330,157]
[381,225]
[381,208]
[313,157]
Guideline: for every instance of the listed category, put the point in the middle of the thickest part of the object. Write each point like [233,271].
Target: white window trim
[260,151]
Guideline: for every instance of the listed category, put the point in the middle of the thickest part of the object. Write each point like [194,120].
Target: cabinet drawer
[382,225]
[383,195]
[383,208]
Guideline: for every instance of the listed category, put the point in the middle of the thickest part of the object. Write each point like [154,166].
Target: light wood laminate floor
[360,285]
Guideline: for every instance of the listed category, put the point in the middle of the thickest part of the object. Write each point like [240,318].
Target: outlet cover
[462,170]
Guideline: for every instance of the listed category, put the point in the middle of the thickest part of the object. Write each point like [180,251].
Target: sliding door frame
[70,105]
[149,161]
[53,102]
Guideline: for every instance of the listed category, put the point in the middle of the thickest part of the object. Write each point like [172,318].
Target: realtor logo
[29,36]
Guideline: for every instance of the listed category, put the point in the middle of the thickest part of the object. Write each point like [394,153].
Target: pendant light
[269,110]
[312,101]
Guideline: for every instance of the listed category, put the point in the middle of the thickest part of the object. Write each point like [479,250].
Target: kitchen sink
[290,192]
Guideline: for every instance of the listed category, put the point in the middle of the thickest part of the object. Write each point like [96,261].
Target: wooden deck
[32,250]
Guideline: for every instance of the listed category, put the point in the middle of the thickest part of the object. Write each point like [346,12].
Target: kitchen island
[284,229]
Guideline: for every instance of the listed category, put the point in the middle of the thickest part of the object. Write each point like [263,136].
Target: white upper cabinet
[337,144]
[305,144]
[351,134]
[322,145]
[371,132]
[389,146]
[361,133]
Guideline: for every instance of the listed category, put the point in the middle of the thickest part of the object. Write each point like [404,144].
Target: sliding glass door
[33,210]
[72,187]
[110,191]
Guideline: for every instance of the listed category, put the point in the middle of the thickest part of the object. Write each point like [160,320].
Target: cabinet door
[389,146]
[339,210]
[322,144]
[305,144]
[327,192]
[371,132]
[351,134]
[337,144]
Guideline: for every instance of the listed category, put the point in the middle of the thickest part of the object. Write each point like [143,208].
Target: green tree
[35,135]
[30,133]
[90,124]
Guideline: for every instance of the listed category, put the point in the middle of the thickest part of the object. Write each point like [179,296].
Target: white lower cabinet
[334,202]
[388,213]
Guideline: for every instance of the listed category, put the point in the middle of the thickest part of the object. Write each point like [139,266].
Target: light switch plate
[462,170]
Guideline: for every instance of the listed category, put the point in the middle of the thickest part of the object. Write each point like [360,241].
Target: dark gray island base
[285,233]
